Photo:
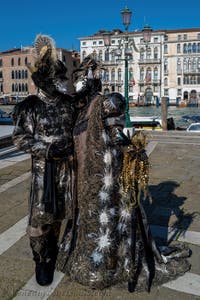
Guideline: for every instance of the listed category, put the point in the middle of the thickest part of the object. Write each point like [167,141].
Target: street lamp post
[126,16]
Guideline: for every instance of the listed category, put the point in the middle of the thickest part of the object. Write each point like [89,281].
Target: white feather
[104,196]
[97,257]
[108,179]
[104,241]
[107,158]
[103,218]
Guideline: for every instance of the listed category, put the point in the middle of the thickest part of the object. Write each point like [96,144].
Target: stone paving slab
[9,173]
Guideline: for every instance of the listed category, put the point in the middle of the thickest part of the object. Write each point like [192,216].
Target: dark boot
[45,252]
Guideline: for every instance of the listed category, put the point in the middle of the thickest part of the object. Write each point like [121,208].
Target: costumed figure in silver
[43,128]
[107,240]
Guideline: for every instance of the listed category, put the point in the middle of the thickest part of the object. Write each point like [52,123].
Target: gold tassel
[135,172]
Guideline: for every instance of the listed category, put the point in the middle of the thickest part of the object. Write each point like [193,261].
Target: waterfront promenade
[173,210]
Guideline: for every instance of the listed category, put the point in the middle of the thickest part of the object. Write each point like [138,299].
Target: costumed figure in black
[107,240]
[43,128]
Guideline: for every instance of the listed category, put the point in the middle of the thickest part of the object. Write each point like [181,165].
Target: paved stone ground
[174,201]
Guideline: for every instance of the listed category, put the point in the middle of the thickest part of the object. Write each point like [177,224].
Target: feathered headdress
[47,64]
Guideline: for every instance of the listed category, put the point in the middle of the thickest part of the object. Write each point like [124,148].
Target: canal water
[179,114]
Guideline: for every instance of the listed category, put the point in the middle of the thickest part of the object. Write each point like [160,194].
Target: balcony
[112,82]
[149,61]
[192,72]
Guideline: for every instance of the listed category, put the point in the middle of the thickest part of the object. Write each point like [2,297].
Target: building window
[22,74]
[26,60]
[112,55]
[1,63]
[13,74]
[178,48]
[155,53]
[185,36]
[113,42]
[155,73]
[12,62]
[100,55]
[166,81]
[166,38]
[179,80]
[142,74]
[142,89]
[26,74]
[194,48]
[141,41]
[189,48]
[178,66]
[179,37]
[155,40]
[1,75]
[130,88]
[166,92]
[106,55]
[113,75]
[100,42]
[119,74]
[179,92]
[155,89]
[83,43]
[165,66]
[148,53]
[165,49]
[19,61]
[94,43]
[198,36]
[198,48]
[142,54]
[19,74]
[185,50]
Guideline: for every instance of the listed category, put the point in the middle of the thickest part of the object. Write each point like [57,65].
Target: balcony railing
[192,72]
[149,61]
[112,82]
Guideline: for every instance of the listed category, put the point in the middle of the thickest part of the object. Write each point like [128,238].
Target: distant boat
[183,103]
[151,123]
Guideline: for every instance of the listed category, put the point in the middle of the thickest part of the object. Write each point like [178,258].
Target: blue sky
[67,20]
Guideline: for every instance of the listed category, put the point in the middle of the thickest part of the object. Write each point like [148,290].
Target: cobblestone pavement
[173,203]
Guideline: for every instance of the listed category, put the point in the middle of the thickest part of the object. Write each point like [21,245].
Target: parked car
[194,127]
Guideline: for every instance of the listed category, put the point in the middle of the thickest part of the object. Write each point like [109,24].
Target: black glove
[121,139]
[60,149]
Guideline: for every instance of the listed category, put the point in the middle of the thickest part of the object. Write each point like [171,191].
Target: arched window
[165,49]
[113,75]
[148,53]
[165,66]
[178,48]
[26,87]
[194,48]
[16,87]
[185,49]
[198,65]
[185,65]
[106,55]
[22,87]
[142,74]
[13,87]
[12,62]
[1,62]
[148,75]
[189,48]
[23,74]
[155,73]
[26,60]
[178,66]
[106,75]
[19,74]
[142,54]
[19,61]
[26,74]
[198,48]
[119,74]
[155,53]
[100,55]
[16,74]
[112,55]
[193,65]
[1,74]
[166,81]
[13,74]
